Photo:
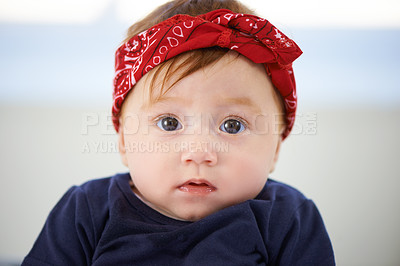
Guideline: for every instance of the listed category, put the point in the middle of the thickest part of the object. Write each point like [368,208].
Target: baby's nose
[208,157]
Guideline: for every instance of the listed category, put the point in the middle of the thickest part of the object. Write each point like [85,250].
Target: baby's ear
[276,156]
[121,145]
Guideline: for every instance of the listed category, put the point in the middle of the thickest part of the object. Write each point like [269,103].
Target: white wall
[349,167]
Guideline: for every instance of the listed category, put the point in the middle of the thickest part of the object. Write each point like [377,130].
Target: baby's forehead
[226,101]
[210,88]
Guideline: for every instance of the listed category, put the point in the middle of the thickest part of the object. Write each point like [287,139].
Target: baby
[204,94]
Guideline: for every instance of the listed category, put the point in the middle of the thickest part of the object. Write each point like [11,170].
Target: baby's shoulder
[277,191]
[102,186]
[97,192]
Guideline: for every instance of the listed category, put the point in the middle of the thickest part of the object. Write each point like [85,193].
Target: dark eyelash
[159,117]
[236,117]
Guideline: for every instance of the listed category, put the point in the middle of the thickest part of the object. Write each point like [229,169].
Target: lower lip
[197,189]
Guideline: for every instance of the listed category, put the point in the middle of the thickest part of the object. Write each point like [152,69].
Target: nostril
[208,158]
[187,160]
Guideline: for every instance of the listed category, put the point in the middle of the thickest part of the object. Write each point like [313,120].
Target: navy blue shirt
[102,222]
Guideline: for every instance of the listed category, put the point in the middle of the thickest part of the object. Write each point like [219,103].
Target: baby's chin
[193,217]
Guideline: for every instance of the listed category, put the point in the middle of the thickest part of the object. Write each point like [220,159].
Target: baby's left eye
[232,126]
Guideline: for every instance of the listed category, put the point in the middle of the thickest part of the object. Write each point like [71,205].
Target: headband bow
[252,36]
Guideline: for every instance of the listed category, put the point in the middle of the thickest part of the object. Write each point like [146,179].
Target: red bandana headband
[253,37]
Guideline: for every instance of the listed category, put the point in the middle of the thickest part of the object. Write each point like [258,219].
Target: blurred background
[56,70]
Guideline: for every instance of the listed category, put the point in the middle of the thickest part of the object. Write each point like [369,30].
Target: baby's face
[209,143]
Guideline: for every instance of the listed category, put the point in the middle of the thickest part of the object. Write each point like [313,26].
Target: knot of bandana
[253,37]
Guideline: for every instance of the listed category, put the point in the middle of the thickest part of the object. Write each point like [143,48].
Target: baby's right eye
[169,123]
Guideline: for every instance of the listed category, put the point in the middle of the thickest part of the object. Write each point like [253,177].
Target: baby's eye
[169,124]
[232,126]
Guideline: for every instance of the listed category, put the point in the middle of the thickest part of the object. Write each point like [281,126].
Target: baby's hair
[189,62]
[188,7]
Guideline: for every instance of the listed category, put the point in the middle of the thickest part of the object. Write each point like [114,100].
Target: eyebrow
[247,102]
[165,99]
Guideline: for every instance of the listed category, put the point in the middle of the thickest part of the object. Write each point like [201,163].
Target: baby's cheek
[255,158]
[249,174]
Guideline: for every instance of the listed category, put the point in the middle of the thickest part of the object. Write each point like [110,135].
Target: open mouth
[197,187]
